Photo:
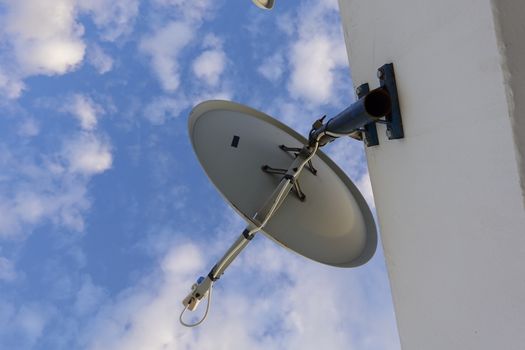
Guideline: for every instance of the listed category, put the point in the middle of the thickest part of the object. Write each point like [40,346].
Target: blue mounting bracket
[394,124]
[393,120]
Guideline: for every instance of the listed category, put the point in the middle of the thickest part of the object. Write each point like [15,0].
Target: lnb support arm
[204,285]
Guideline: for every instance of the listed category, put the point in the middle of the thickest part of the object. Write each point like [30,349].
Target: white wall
[450,196]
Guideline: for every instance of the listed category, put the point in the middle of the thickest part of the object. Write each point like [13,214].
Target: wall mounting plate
[393,120]
[394,123]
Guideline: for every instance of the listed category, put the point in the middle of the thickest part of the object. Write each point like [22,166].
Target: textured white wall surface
[450,196]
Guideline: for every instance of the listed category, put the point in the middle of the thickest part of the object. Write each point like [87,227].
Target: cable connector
[199,290]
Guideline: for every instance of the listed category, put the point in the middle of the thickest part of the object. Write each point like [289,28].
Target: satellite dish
[284,186]
[332,225]
[264,4]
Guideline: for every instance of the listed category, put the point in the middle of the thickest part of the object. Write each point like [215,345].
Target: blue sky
[106,217]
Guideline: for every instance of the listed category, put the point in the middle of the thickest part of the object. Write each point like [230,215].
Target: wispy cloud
[272,68]
[194,11]
[114,18]
[164,47]
[170,38]
[7,270]
[209,65]
[88,297]
[29,128]
[102,62]
[39,187]
[84,110]
[162,108]
[11,86]
[21,327]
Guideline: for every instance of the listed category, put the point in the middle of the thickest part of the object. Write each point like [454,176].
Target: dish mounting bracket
[393,120]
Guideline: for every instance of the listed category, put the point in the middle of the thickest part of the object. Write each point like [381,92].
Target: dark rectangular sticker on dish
[235,141]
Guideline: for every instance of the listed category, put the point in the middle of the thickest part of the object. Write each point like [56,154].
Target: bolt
[380,74]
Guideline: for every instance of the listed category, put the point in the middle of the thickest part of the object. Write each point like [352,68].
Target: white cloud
[85,110]
[88,154]
[209,66]
[45,37]
[313,69]
[102,62]
[318,55]
[272,68]
[7,270]
[164,47]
